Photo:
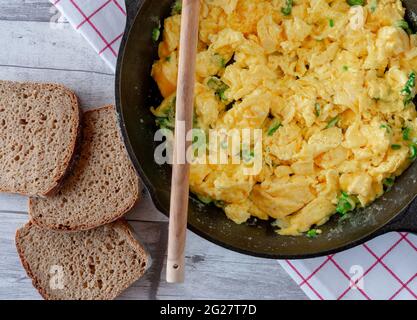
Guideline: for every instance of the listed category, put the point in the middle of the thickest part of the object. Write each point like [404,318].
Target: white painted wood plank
[14,284]
[216,273]
[40,45]
[12,202]
[26,10]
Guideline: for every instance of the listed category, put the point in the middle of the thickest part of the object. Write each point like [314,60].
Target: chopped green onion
[373,5]
[395,146]
[345,217]
[219,60]
[165,123]
[276,124]
[317,109]
[345,68]
[156,33]
[386,127]
[404,25]
[176,8]
[219,87]
[168,59]
[166,119]
[388,182]
[287,10]
[333,122]
[345,204]
[355,2]
[408,90]
[331,23]
[406,133]
[313,233]
[248,155]
[413,151]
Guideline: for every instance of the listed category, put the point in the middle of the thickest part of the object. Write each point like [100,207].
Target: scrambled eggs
[330,82]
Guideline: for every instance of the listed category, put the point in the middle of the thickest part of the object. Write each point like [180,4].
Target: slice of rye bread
[39,127]
[102,186]
[97,264]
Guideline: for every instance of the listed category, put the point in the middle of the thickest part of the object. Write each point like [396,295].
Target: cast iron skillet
[136,93]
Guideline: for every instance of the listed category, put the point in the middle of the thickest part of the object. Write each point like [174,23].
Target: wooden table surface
[34,49]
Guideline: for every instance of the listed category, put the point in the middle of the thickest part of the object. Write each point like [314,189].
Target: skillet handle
[406,222]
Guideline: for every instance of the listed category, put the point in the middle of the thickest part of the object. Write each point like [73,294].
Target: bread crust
[120,226]
[26,266]
[69,160]
[117,215]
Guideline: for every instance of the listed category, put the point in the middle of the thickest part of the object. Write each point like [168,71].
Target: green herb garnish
[331,23]
[345,68]
[156,33]
[276,124]
[317,109]
[248,155]
[388,182]
[404,25]
[176,8]
[373,5]
[166,116]
[408,91]
[219,87]
[164,123]
[345,204]
[395,146]
[333,122]
[406,133]
[287,10]
[220,61]
[355,2]
[313,233]
[386,127]
[413,151]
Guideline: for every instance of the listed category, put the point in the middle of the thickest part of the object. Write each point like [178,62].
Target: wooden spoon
[183,125]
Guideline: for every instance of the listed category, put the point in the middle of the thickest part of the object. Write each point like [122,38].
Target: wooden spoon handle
[183,124]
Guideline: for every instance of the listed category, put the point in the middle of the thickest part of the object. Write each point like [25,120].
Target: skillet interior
[136,93]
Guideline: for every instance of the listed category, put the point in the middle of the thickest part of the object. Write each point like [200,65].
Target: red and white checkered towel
[101,22]
[384,268]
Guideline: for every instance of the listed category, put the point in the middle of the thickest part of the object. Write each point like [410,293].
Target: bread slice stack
[76,246]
